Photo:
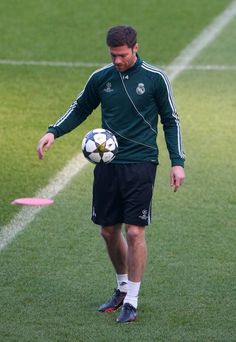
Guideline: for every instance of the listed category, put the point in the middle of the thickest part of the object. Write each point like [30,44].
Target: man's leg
[137,256]
[137,252]
[118,252]
[116,247]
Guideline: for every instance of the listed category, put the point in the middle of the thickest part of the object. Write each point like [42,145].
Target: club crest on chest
[140,90]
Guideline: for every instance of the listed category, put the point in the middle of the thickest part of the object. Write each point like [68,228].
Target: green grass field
[56,273]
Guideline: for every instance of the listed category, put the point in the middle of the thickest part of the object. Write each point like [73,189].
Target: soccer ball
[99,146]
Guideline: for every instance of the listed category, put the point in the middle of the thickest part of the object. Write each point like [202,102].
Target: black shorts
[122,193]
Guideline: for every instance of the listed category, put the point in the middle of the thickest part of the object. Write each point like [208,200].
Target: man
[132,93]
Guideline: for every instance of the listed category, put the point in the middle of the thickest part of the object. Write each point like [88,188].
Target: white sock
[122,282]
[132,293]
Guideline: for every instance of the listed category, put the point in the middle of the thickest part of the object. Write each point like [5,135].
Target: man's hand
[177,176]
[44,144]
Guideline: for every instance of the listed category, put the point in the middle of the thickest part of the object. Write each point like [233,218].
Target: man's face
[123,57]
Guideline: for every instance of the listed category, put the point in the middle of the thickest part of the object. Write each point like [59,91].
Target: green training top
[130,104]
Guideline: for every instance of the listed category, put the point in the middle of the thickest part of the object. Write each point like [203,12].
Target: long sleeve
[170,121]
[81,108]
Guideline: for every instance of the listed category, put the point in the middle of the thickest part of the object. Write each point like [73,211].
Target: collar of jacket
[134,67]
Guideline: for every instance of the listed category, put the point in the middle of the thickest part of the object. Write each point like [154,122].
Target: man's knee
[135,234]
[110,233]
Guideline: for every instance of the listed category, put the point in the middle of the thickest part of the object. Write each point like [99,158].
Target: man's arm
[80,109]
[172,130]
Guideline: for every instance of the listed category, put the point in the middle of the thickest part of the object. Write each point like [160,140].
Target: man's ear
[135,48]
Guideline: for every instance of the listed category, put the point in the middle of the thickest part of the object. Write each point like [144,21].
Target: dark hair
[121,35]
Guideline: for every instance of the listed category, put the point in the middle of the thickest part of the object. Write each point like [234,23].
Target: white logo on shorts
[144,215]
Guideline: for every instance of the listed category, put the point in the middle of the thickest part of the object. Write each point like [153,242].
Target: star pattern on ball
[101,148]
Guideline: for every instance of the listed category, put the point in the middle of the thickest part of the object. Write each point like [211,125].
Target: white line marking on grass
[52,63]
[27,214]
[177,67]
[204,39]
[210,67]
